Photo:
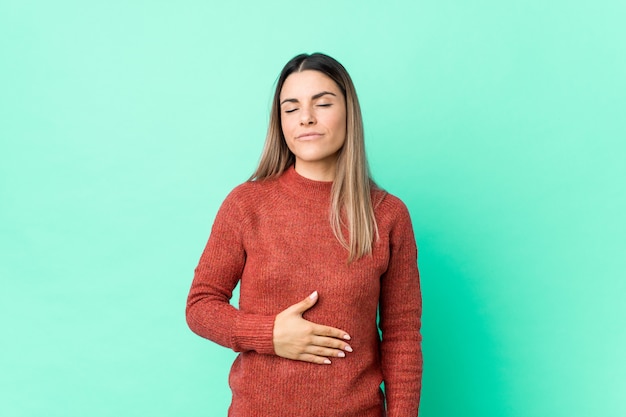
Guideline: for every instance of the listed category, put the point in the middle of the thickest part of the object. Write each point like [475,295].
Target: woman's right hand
[299,339]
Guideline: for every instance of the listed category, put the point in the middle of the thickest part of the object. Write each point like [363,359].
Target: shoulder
[250,191]
[394,222]
[388,207]
[247,197]
[243,202]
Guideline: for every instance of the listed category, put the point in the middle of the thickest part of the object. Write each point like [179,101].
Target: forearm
[402,364]
[211,316]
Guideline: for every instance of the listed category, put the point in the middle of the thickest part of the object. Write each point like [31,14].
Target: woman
[319,250]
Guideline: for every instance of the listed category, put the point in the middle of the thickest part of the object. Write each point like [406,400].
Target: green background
[124,124]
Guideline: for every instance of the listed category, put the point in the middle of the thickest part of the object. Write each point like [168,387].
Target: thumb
[305,304]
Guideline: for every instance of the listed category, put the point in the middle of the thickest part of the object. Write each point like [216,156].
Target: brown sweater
[275,237]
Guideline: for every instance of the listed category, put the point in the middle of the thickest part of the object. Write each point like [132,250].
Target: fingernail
[346,337]
[313,295]
[327,361]
[348,348]
[341,355]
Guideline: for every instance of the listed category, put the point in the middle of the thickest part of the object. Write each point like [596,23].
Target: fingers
[306,357]
[305,304]
[336,345]
[321,330]
[325,352]
[321,355]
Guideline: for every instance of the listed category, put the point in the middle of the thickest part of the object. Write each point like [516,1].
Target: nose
[306,117]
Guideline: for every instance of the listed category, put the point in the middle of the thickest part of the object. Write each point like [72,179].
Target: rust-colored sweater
[275,237]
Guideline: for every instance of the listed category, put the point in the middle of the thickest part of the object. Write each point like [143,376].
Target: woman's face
[313,119]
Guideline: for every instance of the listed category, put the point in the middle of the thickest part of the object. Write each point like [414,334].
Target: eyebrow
[315,97]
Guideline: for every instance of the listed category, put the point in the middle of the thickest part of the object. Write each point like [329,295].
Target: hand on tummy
[299,339]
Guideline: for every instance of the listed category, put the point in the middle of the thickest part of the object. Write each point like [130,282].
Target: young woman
[319,250]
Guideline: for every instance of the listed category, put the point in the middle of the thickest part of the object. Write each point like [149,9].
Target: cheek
[286,127]
[339,124]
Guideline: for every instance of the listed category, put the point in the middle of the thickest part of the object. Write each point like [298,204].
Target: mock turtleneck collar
[304,187]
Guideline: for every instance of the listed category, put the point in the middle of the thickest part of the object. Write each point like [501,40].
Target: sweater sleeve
[209,312]
[400,322]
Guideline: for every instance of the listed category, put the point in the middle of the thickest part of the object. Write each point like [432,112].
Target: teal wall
[123,125]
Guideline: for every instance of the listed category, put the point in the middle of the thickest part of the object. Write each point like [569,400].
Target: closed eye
[290,110]
[324,105]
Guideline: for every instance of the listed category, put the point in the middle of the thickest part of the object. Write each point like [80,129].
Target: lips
[308,135]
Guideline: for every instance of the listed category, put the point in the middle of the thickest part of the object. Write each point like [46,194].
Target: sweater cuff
[254,332]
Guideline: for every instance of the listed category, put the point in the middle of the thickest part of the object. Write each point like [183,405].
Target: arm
[209,312]
[400,322]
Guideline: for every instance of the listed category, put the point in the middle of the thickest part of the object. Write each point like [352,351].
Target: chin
[313,158]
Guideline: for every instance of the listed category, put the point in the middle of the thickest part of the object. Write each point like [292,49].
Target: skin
[313,120]
[299,339]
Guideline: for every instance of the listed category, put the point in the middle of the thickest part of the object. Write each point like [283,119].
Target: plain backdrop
[124,124]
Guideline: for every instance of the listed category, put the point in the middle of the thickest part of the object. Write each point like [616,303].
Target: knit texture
[275,237]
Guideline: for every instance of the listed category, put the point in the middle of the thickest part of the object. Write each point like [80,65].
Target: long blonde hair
[350,203]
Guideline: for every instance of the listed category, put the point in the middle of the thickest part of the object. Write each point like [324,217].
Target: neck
[317,171]
[305,188]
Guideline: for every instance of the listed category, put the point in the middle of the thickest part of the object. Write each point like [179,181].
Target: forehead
[308,83]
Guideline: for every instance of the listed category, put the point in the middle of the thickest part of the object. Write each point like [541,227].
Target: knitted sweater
[275,237]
